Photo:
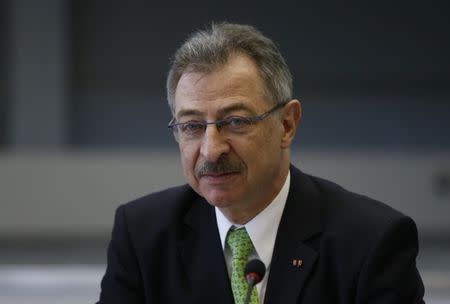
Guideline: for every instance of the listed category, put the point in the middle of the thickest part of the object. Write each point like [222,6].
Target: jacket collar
[202,256]
[293,258]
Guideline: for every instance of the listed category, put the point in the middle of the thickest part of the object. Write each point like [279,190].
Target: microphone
[254,272]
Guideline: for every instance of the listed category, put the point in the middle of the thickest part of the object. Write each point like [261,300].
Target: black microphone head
[254,270]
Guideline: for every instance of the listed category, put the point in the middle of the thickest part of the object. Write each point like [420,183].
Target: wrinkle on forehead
[238,77]
[200,86]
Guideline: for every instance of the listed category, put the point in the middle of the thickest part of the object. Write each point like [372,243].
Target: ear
[292,113]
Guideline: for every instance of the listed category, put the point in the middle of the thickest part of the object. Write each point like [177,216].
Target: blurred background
[83,120]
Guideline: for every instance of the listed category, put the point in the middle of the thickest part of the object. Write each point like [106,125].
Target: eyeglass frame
[173,125]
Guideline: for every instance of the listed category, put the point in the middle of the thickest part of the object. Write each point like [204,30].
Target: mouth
[219,178]
[222,171]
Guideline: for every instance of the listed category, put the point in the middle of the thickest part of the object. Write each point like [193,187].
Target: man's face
[231,171]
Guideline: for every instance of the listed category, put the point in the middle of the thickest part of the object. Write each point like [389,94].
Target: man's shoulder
[339,201]
[162,207]
[354,224]
[344,213]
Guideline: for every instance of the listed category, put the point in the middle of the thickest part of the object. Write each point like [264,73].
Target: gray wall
[3,71]
[83,113]
[369,74]
[75,194]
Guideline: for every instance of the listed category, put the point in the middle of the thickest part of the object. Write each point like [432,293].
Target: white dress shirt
[262,230]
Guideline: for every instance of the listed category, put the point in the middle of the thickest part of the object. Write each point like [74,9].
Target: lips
[219,178]
[214,174]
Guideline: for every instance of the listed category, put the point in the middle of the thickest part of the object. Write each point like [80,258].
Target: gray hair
[207,49]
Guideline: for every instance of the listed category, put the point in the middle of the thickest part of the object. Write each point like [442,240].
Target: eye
[238,122]
[192,127]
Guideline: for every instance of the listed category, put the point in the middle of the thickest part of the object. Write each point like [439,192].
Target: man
[234,118]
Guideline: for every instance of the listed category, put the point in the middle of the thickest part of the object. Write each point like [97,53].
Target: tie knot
[240,243]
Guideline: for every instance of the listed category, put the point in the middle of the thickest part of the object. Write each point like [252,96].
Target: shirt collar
[262,229]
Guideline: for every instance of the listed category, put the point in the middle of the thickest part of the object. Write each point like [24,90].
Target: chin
[220,200]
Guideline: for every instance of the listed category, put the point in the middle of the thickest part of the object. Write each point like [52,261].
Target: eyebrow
[239,106]
[188,112]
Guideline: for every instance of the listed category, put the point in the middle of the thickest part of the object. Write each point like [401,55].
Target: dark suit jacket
[165,248]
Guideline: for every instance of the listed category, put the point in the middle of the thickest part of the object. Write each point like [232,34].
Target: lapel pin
[297,262]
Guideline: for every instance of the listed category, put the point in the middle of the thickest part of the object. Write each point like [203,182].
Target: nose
[214,144]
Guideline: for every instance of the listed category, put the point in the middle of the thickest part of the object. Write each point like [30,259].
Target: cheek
[265,150]
[251,151]
[188,159]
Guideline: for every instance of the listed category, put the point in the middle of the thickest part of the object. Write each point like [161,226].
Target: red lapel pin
[297,263]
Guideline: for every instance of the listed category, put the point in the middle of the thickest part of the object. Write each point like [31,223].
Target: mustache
[222,165]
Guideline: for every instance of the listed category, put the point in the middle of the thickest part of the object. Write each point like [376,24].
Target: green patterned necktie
[241,246]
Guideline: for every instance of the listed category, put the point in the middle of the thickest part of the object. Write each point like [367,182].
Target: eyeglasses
[233,125]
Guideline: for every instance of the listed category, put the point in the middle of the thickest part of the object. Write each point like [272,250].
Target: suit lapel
[202,256]
[293,259]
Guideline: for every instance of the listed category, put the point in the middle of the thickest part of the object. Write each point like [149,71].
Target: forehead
[236,81]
